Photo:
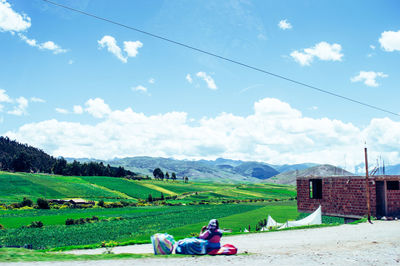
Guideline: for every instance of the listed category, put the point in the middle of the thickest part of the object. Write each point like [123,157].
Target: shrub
[124,203]
[27,202]
[35,224]
[101,203]
[2,227]
[43,203]
[15,205]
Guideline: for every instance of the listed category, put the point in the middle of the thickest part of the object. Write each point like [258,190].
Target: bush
[69,221]
[27,202]
[35,224]
[124,203]
[15,205]
[2,227]
[43,204]
[101,203]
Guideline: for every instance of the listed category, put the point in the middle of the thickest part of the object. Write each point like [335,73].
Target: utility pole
[367,185]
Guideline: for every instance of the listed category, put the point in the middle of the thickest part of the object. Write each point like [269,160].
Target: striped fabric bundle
[191,246]
[163,244]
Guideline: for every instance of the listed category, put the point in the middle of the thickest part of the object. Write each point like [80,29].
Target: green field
[236,206]
[139,224]
[15,186]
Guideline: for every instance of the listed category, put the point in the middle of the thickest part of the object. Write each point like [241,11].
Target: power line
[224,58]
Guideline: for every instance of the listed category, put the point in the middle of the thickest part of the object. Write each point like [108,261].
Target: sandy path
[366,244]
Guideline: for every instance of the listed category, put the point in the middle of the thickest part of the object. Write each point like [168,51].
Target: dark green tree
[158,174]
[173,176]
[22,162]
[26,202]
[42,203]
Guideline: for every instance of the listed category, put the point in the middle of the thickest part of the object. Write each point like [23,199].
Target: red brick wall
[393,201]
[340,195]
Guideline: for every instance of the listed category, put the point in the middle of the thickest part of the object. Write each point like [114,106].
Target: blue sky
[79,87]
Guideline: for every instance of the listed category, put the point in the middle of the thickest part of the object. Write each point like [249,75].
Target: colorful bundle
[163,244]
[191,246]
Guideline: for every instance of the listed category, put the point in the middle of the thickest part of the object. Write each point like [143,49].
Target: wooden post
[367,185]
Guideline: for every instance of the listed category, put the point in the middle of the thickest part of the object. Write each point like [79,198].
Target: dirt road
[362,244]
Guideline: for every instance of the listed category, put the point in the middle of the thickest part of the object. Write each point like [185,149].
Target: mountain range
[223,170]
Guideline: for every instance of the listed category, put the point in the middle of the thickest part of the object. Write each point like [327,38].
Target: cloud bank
[275,132]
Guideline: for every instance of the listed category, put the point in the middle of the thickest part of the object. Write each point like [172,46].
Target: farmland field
[139,223]
[236,206]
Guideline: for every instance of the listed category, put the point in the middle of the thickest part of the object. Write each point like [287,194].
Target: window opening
[315,188]
[392,185]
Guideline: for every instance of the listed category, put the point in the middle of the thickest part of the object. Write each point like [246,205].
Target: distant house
[71,201]
[345,196]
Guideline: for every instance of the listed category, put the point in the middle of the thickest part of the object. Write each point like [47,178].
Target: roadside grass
[21,255]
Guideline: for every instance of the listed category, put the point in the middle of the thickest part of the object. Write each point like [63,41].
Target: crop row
[135,226]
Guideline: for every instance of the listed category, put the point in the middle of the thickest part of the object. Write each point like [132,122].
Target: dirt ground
[362,244]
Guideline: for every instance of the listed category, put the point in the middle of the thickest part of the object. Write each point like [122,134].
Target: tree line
[159,175]
[18,157]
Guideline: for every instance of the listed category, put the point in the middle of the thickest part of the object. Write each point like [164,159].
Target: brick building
[345,196]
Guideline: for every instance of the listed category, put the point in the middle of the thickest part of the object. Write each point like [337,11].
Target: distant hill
[219,170]
[195,170]
[293,167]
[18,157]
[289,177]
[22,157]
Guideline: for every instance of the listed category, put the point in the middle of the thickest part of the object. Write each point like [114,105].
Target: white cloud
[49,45]
[275,132]
[70,62]
[372,47]
[303,59]
[208,79]
[4,97]
[112,47]
[131,48]
[37,100]
[368,77]
[20,109]
[323,51]
[61,111]
[140,88]
[97,108]
[390,41]
[11,20]
[152,81]
[189,78]
[284,25]
[78,109]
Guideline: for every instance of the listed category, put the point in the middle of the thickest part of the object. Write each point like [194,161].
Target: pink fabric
[214,239]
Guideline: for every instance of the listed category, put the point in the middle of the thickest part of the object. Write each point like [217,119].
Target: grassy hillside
[16,186]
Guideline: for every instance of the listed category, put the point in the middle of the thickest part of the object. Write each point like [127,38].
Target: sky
[79,87]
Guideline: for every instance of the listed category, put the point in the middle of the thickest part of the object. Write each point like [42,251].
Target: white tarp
[313,218]
[272,223]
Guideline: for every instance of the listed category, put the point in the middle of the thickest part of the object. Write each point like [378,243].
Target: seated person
[213,234]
